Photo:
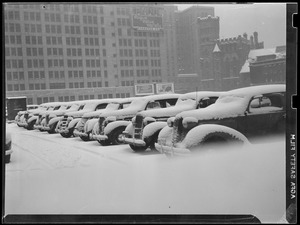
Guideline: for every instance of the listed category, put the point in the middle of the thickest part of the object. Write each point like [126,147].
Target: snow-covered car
[51,118]
[238,116]
[40,123]
[111,125]
[29,118]
[146,125]
[21,113]
[85,126]
[8,149]
[69,121]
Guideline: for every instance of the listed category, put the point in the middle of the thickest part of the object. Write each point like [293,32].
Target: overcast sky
[268,19]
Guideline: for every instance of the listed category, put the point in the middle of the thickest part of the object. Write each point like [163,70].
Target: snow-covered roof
[216,49]
[232,103]
[187,75]
[139,104]
[245,67]
[184,103]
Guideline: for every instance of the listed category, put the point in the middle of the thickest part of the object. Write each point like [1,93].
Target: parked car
[41,120]
[52,117]
[111,125]
[8,148]
[67,125]
[237,116]
[143,131]
[85,125]
[29,118]
[21,113]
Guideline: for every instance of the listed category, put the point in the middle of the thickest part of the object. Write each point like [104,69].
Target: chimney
[251,42]
[255,39]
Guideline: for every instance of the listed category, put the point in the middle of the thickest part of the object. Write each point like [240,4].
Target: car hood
[218,110]
[166,112]
[78,113]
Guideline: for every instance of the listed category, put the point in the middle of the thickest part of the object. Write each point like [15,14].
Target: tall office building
[65,52]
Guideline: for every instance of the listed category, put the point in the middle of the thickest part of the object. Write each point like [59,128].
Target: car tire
[218,138]
[85,138]
[138,148]
[52,128]
[7,158]
[67,135]
[115,135]
[104,142]
[30,125]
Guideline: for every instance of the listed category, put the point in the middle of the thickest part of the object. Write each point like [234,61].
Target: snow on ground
[49,174]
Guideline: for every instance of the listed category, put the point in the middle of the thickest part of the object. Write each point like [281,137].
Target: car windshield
[74,107]
[230,98]
[185,101]
[112,106]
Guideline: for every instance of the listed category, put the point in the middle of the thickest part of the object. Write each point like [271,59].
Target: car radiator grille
[101,124]
[138,127]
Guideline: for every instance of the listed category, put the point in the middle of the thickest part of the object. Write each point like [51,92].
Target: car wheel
[85,138]
[153,141]
[30,126]
[67,135]
[52,128]
[104,142]
[116,136]
[138,148]
[7,158]
[219,139]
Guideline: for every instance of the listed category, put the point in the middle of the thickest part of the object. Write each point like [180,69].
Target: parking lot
[51,174]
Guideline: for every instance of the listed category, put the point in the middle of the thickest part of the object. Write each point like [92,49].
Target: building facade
[61,52]
[265,66]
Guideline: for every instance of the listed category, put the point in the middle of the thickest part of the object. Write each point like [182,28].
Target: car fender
[198,134]
[89,125]
[33,118]
[54,120]
[152,128]
[165,136]
[129,129]
[113,125]
[73,123]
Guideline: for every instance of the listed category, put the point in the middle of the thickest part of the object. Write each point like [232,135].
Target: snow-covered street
[49,174]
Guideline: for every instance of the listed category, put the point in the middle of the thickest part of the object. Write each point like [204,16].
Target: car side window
[101,106]
[153,105]
[204,102]
[265,104]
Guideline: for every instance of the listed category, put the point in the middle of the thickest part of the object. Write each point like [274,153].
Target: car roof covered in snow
[232,103]
[139,103]
[182,104]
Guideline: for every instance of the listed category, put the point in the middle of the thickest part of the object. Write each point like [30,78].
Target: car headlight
[170,121]
[189,122]
[133,119]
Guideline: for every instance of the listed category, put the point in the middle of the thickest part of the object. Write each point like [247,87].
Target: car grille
[138,127]
[178,131]
[101,124]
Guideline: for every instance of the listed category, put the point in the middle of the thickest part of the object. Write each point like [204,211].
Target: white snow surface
[232,103]
[49,174]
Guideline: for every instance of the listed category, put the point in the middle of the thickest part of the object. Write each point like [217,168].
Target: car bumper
[135,142]
[37,127]
[99,137]
[78,133]
[172,151]
[8,152]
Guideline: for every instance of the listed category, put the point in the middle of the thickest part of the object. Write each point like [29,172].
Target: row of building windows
[12,27]
[13,39]
[14,76]
[127,83]
[15,87]
[36,74]
[93,73]
[13,51]
[13,64]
